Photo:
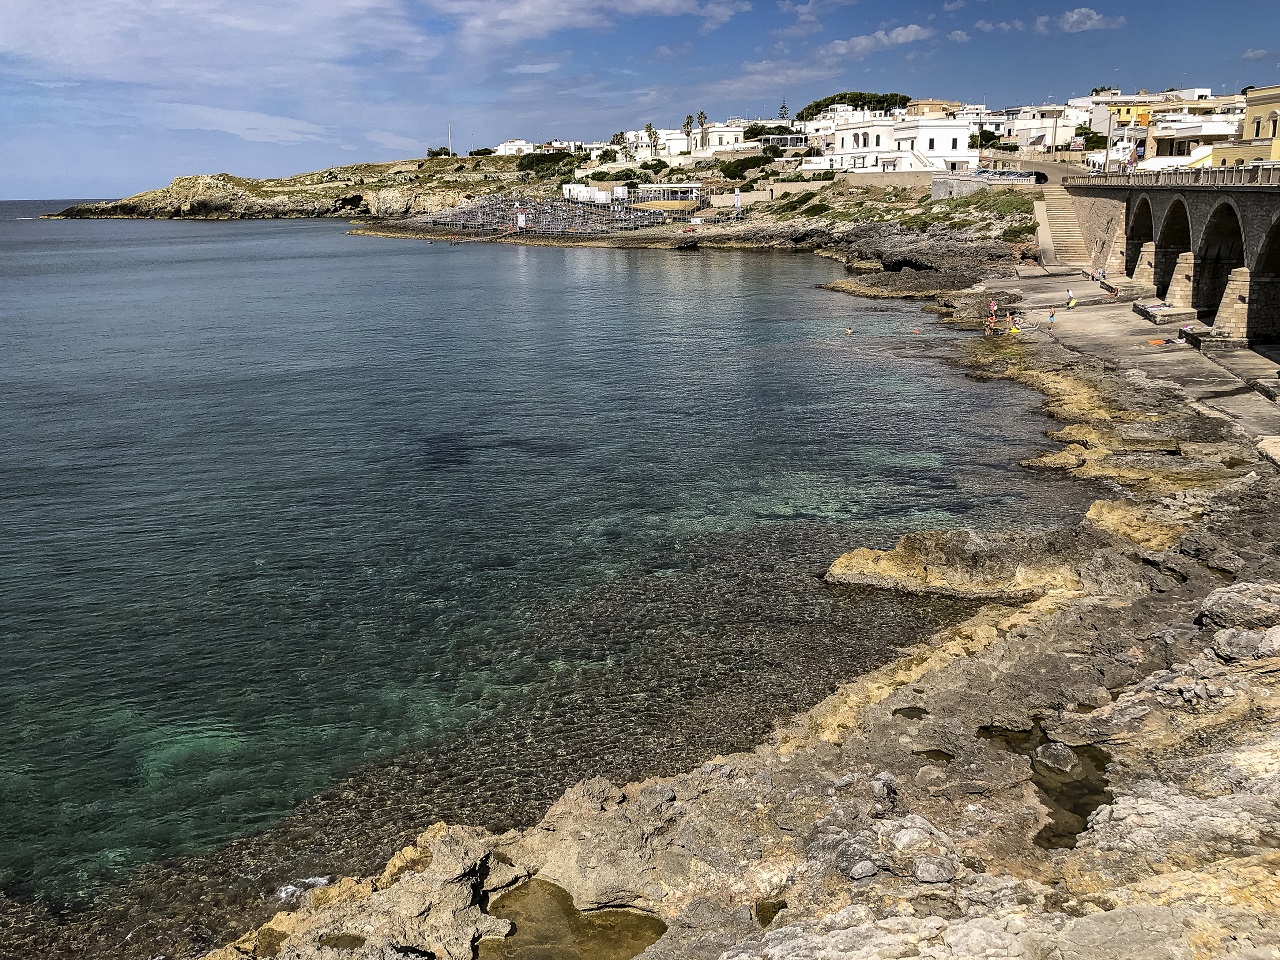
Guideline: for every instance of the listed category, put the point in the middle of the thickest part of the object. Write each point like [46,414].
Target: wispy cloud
[808,15]
[953,6]
[533,68]
[986,26]
[245,124]
[393,141]
[959,36]
[668,52]
[1255,55]
[1077,21]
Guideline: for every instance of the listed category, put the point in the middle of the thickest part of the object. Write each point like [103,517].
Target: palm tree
[687,126]
[652,134]
[702,126]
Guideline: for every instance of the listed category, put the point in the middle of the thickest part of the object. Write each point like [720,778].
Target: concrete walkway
[1110,331]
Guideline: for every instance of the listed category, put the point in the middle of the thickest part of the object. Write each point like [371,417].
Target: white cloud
[533,68]
[481,24]
[807,15]
[245,124]
[856,48]
[769,77]
[959,36]
[1077,21]
[986,26]
[393,141]
[1254,55]
[954,5]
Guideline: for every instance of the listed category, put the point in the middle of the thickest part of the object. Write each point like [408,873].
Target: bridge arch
[1263,325]
[1174,239]
[1141,229]
[1221,251]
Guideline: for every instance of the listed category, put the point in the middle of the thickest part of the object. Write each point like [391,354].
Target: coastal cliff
[399,189]
[1086,769]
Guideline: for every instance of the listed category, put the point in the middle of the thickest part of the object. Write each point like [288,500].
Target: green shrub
[482,152]
[795,201]
[626,174]
[539,162]
[737,169]
[816,209]
[655,165]
[755,131]
[1018,234]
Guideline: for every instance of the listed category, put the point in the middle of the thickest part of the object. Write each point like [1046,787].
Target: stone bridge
[1207,241]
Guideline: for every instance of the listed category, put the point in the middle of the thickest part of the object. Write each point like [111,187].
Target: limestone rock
[1246,605]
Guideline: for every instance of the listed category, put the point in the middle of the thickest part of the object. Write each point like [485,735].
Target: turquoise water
[308,540]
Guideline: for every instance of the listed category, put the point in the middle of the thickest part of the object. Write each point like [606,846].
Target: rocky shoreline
[1087,768]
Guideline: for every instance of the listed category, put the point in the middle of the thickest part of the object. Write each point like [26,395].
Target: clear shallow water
[380,531]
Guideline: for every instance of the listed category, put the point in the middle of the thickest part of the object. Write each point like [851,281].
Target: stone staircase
[1068,243]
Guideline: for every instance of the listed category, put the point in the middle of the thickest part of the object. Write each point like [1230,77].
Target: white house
[515,148]
[872,141]
[980,118]
[1040,126]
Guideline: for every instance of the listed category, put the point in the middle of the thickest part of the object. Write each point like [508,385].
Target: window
[842,143]
[1257,128]
[720,141]
[1275,122]
[955,143]
[931,143]
[877,139]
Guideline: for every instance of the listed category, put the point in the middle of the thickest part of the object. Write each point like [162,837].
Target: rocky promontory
[1086,769]
[399,189]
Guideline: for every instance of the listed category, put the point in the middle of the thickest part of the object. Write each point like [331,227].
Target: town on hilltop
[864,133]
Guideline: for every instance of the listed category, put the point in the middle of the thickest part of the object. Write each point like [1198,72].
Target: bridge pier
[1182,283]
[1231,326]
[1144,271]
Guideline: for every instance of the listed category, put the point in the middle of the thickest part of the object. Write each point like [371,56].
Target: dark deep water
[382,532]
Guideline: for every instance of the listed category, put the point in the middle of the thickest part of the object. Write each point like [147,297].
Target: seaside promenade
[1219,385]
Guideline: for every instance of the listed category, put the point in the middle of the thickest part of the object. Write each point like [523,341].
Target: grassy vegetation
[1006,214]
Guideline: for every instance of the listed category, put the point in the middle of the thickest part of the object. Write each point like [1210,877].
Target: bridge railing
[1254,175]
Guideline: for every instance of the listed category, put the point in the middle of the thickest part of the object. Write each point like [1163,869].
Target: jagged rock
[1237,644]
[1243,605]
[1057,756]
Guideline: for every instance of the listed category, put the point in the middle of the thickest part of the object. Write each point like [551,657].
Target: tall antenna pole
[450,129]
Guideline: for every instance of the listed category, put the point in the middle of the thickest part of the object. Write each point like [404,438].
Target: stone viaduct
[1207,241]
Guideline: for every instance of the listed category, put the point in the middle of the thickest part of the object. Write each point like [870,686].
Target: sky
[105,98]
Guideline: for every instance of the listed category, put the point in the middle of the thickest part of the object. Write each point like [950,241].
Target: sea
[308,540]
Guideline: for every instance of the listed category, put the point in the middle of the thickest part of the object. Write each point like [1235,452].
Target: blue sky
[110,97]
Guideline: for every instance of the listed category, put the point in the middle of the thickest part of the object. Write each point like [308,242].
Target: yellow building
[931,108]
[1259,138]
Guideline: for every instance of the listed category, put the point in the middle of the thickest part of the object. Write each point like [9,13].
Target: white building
[1040,127]
[728,135]
[980,118]
[872,141]
[515,148]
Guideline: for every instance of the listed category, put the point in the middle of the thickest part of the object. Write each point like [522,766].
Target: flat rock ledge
[1087,769]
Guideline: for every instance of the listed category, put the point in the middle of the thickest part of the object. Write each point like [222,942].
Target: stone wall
[962,185]
[1264,309]
[1100,215]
